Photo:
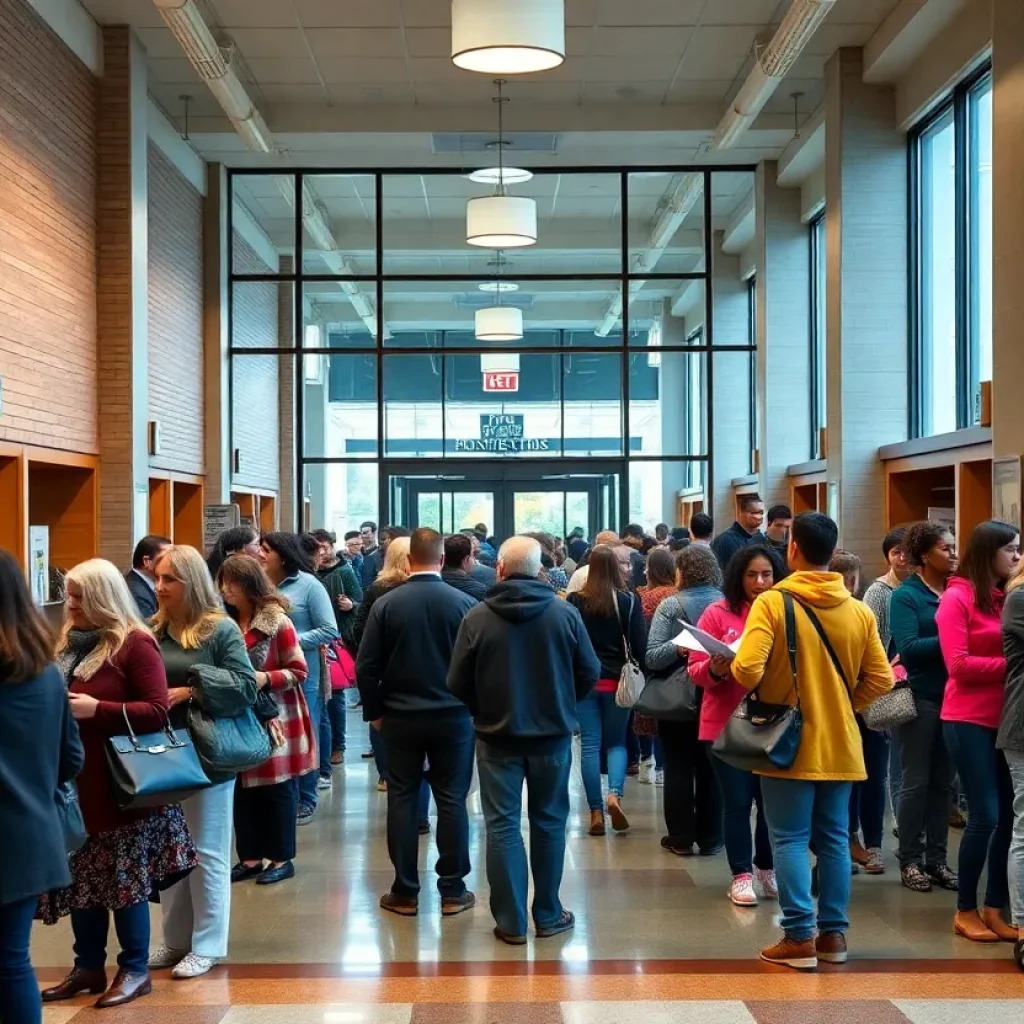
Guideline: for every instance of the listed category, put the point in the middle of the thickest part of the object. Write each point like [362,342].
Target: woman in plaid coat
[267,797]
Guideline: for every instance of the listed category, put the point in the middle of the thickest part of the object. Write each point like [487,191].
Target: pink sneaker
[766,879]
[741,892]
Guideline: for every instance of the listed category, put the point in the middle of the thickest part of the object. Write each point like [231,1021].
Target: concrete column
[782,247]
[290,503]
[866,293]
[215,336]
[673,399]
[122,294]
[1008,226]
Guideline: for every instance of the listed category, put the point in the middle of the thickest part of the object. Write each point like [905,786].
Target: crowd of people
[461,651]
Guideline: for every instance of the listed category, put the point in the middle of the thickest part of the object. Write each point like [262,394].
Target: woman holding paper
[750,572]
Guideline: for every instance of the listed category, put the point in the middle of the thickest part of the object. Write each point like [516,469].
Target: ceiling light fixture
[508,37]
[499,287]
[500,176]
[501,221]
[499,323]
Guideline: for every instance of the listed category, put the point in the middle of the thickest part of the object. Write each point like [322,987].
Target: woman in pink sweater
[970,635]
[751,571]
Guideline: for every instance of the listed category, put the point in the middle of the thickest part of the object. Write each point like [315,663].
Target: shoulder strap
[624,626]
[836,663]
[787,603]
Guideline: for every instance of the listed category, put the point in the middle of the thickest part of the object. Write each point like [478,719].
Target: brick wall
[48,353]
[255,379]
[175,316]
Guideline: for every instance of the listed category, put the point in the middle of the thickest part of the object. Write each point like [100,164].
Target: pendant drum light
[508,37]
[499,323]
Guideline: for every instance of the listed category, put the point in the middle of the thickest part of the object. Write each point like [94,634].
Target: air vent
[485,142]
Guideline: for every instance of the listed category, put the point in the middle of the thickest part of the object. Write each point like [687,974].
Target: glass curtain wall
[358,349]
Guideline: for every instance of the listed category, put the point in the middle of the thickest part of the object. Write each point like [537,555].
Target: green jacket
[341,580]
[915,636]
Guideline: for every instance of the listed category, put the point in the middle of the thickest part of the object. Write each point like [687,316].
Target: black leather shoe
[276,874]
[243,872]
[77,981]
[126,988]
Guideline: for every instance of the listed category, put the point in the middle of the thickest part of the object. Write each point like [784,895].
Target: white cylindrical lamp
[501,222]
[499,323]
[508,37]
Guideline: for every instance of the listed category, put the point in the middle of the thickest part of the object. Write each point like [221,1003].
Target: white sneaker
[659,778]
[766,880]
[741,892]
[646,775]
[193,966]
[325,782]
[165,957]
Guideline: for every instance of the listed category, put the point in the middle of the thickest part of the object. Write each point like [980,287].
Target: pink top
[721,697]
[972,647]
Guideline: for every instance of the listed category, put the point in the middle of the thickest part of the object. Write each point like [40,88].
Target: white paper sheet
[693,639]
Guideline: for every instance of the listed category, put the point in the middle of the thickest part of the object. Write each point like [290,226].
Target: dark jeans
[447,742]
[867,798]
[265,821]
[547,793]
[926,780]
[132,927]
[650,746]
[19,993]
[380,756]
[336,715]
[985,778]
[739,790]
[693,804]
[307,783]
[634,744]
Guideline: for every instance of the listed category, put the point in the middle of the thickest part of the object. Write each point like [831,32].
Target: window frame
[752,339]
[957,104]
[817,335]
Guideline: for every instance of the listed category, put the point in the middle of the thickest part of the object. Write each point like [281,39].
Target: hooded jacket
[972,647]
[830,746]
[521,662]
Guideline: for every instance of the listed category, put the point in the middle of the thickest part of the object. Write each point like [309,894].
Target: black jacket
[461,580]
[522,661]
[143,594]
[39,748]
[1011,726]
[726,544]
[606,633]
[402,667]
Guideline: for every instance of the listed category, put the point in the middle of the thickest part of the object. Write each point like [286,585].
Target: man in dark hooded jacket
[521,662]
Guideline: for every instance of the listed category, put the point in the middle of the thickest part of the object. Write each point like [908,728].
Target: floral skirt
[125,866]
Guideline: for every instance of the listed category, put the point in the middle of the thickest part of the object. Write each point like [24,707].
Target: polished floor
[653,930]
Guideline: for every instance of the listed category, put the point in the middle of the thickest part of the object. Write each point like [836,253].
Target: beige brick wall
[48,355]
[175,269]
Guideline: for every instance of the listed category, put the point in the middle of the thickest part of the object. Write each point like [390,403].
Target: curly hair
[920,538]
[735,571]
[698,566]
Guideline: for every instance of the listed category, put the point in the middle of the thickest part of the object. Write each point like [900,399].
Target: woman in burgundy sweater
[114,672]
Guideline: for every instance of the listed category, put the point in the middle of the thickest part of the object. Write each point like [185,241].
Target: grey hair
[520,556]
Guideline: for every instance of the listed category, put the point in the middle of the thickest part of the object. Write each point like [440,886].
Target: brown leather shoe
[993,919]
[831,947]
[969,924]
[77,981]
[801,956]
[126,988]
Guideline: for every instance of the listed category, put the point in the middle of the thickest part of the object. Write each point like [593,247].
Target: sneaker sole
[833,958]
[453,910]
[401,911]
[809,963]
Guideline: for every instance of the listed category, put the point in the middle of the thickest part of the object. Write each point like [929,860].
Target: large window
[819,378]
[951,260]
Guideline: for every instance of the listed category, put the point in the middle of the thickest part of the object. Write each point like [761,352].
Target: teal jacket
[915,636]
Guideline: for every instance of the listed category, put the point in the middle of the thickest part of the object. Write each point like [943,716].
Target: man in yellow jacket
[809,803]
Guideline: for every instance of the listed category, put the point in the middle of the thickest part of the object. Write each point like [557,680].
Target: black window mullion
[961,247]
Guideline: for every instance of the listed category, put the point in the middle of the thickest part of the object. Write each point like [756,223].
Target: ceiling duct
[682,200]
[771,65]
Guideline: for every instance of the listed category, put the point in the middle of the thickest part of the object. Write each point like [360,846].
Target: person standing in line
[402,672]
[194,636]
[579,577]
[373,558]
[577,544]
[39,751]
[141,577]
[926,769]
[239,540]
[634,538]
[267,797]
[702,529]
[522,662]
[613,618]
[810,801]
[353,553]
[458,560]
[115,675]
[1010,740]
[752,571]
[289,569]
[482,572]
[780,522]
[693,803]
[747,526]
[970,634]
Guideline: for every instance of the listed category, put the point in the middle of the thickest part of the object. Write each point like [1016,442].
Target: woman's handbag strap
[624,626]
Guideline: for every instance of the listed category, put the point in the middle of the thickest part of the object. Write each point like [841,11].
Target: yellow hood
[818,589]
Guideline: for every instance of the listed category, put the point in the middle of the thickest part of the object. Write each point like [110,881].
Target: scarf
[79,644]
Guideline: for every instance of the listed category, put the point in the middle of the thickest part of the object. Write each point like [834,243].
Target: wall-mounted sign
[500,371]
[502,424]
[502,434]
[217,519]
[501,382]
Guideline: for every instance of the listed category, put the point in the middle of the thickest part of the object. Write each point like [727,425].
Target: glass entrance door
[449,510]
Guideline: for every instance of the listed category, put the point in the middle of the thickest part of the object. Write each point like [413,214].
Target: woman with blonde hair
[115,678]
[195,636]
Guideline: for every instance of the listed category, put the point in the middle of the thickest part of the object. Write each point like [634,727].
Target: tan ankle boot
[993,919]
[969,924]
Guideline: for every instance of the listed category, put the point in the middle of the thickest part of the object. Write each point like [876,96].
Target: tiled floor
[653,931]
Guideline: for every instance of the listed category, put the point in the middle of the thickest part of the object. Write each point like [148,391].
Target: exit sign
[501,381]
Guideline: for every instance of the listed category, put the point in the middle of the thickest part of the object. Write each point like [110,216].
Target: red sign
[501,381]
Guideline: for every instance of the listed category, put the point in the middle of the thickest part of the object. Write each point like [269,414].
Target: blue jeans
[986,781]
[650,746]
[801,812]
[740,789]
[19,992]
[132,927]
[307,782]
[602,723]
[502,775]
[336,716]
[867,798]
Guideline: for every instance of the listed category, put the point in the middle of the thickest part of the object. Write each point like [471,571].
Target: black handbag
[72,822]
[672,697]
[266,708]
[154,769]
